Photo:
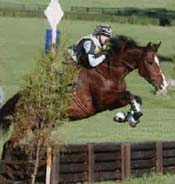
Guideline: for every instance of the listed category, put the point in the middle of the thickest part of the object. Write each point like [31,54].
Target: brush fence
[91,162]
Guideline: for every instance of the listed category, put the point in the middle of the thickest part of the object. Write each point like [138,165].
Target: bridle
[127,64]
[147,73]
[131,67]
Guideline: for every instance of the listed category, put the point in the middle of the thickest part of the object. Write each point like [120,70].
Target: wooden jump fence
[92,162]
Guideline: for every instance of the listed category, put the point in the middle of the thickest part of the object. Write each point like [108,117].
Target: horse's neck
[121,64]
[113,72]
[131,58]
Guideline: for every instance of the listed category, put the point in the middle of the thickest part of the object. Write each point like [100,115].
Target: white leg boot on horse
[133,116]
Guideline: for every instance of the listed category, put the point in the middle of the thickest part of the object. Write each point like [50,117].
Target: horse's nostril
[161,89]
[162,86]
[161,92]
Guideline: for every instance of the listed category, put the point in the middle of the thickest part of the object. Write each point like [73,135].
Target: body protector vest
[88,45]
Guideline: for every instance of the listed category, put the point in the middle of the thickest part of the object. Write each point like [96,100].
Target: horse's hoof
[134,124]
[137,115]
[131,119]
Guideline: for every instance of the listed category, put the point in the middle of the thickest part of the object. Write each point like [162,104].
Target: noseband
[147,73]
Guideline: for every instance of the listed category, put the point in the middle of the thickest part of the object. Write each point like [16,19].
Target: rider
[89,50]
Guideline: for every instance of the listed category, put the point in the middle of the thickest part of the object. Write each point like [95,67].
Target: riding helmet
[103,30]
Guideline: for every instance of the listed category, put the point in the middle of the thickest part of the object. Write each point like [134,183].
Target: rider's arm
[90,51]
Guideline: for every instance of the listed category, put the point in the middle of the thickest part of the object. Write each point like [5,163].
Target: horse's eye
[150,62]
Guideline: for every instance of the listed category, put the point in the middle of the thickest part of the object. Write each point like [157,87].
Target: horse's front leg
[135,112]
[136,102]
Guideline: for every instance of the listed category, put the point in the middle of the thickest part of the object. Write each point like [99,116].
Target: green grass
[20,45]
[21,42]
[156,124]
[67,4]
[153,179]
[26,1]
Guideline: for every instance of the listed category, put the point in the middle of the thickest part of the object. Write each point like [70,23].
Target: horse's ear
[149,45]
[156,46]
[123,47]
[159,44]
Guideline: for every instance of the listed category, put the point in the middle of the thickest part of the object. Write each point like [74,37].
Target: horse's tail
[8,109]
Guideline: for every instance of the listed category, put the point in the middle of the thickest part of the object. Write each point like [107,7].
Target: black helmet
[103,30]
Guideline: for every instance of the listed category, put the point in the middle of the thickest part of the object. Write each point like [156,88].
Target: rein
[127,64]
[101,72]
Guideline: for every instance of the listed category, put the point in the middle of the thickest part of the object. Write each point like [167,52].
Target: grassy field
[21,47]
[154,179]
[21,43]
[157,122]
[67,4]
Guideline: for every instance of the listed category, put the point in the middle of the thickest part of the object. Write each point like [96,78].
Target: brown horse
[104,87]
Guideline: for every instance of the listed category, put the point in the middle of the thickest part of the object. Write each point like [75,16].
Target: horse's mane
[120,41]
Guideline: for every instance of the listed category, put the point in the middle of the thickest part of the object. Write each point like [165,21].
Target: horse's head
[127,51]
[149,68]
